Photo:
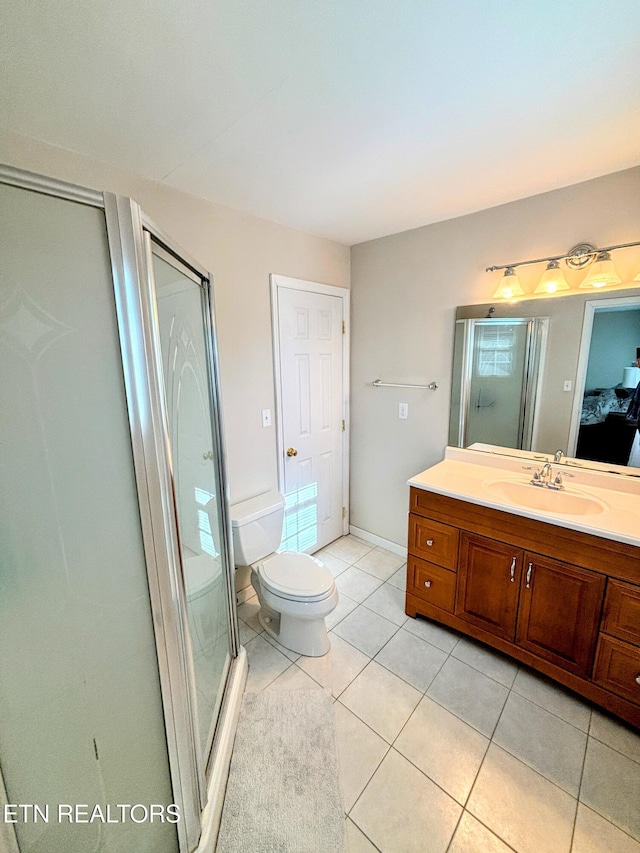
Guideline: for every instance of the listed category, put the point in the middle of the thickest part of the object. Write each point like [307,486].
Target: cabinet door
[559,612]
[488,584]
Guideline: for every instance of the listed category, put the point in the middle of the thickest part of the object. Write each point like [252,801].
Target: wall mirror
[539,375]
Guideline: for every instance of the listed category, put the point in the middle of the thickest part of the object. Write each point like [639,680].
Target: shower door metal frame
[129,241]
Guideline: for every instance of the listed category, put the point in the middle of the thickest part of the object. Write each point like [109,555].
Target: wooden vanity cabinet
[561,601]
[559,612]
[488,584]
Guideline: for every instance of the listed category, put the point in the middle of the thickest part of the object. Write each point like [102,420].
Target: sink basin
[543,499]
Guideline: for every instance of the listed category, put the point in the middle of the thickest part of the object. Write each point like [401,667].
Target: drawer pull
[428,584]
[429,542]
[637,679]
[512,571]
[528,578]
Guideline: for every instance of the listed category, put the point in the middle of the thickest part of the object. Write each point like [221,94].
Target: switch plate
[403,411]
[266,417]
[567,385]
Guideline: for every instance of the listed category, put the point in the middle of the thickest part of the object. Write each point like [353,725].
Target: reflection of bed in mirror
[605,434]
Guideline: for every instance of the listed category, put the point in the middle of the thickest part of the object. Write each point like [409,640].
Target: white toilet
[296,592]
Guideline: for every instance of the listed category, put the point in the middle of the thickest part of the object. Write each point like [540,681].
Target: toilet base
[307,637]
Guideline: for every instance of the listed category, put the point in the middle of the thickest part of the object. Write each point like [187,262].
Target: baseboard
[378,540]
[222,758]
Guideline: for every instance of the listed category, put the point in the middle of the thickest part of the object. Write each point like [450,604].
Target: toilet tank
[256,525]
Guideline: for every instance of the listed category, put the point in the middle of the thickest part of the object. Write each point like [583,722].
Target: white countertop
[468,476]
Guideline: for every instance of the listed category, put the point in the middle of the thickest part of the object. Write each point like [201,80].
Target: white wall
[404,291]
[240,251]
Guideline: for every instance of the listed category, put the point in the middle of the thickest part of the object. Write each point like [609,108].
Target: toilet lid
[296,576]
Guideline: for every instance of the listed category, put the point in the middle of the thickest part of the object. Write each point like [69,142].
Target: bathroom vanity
[548,576]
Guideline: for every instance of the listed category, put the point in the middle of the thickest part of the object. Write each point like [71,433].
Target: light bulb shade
[602,273]
[510,286]
[552,279]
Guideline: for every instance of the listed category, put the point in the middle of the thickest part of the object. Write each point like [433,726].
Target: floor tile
[357,584]
[472,837]
[399,578]
[553,698]
[243,594]
[400,808]
[248,612]
[357,841]
[411,658]
[343,608]
[335,565]
[439,636]
[381,699]
[593,834]
[294,679]
[337,669]
[546,743]
[521,807]
[360,751]
[611,787]
[288,653]
[380,563]
[245,632]
[388,601]
[349,548]
[447,750]
[266,663]
[502,669]
[470,695]
[615,734]
[365,630]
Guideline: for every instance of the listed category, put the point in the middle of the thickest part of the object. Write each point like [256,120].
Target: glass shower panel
[81,718]
[497,386]
[181,311]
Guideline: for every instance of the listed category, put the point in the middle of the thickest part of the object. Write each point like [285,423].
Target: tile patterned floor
[446,746]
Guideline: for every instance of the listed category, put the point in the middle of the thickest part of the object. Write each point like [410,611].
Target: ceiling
[350,119]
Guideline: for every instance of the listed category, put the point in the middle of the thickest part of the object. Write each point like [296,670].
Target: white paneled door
[310,332]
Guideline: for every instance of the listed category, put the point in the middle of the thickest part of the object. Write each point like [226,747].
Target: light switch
[403,411]
[567,385]
[266,417]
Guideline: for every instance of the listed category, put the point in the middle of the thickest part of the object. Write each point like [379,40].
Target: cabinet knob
[528,578]
[637,679]
[429,542]
[512,571]
[428,584]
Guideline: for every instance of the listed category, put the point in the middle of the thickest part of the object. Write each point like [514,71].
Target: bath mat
[283,794]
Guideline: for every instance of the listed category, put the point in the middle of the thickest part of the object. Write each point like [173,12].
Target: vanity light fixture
[552,279]
[510,286]
[601,274]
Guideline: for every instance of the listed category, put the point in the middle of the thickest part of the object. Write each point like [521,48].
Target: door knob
[292,452]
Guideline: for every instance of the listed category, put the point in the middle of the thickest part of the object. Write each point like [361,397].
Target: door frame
[590,308]
[276,282]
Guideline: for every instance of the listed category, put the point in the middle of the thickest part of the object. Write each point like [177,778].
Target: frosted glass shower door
[182,312]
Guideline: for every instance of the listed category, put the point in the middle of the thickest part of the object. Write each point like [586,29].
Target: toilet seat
[296,577]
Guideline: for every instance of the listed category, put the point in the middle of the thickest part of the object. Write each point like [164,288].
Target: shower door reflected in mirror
[182,311]
[495,396]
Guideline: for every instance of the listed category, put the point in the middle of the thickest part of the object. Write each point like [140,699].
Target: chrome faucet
[558,455]
[544,477]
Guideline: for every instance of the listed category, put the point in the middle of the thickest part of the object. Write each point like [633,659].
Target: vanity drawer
[431,583]
[622,612]
[433,541]
[618,668]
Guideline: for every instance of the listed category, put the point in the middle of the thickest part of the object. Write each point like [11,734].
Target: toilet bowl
[296,592]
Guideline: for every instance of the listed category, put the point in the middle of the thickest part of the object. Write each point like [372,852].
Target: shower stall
[121,670]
